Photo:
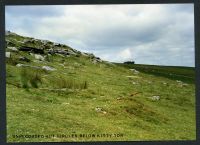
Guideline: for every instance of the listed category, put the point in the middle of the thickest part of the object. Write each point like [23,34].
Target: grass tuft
[30,78]
[61,83]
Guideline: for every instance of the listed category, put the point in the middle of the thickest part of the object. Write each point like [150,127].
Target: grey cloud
[152,34]
[34,11]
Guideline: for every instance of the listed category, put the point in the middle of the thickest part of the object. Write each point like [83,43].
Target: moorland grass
[66,102]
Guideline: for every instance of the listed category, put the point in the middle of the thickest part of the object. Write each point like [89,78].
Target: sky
[159,34]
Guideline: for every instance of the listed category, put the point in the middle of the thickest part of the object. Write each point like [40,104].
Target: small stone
[104,112]
[164,83]
[135,71]
[32,54]
[19,65]
[134,83]
[98,109]
[179,81]
[119,98]
[48,68]
[155,98]
[8,54]
[66,103]
[22,58]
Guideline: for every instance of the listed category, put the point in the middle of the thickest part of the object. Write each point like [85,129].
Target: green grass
[66,101]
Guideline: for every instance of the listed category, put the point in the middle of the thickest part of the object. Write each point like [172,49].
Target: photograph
[92,73]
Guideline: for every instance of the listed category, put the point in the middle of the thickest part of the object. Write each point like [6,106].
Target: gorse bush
[31,78]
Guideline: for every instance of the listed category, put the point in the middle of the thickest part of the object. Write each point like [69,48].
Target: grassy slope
[37,111]
[185,74]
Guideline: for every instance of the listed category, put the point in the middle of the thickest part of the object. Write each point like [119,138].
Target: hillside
[55,90]
[185,74]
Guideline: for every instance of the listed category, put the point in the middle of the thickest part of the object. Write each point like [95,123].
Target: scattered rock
[98,109]
[51,51]
[104,112]
[56,44]
[181,84]
[71,52]
[164,83]
[32,54]
[60,51]
[22,58]
[19,65]
[9,43]
[61,55]
[13,49]
[134,83]
[48,68]
[179,81]
[135,71]
[25,65]
[66,103]
[155,98]
[133,77]
[20,42]
[39,57]
[8,54]
[26,40]
[119,98]
[94,61]
[84,54]
[32,49]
